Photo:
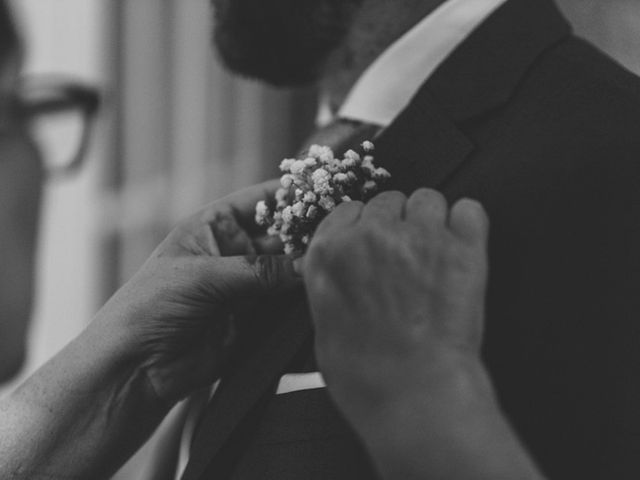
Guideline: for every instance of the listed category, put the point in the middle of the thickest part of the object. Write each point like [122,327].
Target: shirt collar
[391,81]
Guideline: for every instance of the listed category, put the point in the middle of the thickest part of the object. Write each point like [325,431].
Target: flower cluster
[312,187]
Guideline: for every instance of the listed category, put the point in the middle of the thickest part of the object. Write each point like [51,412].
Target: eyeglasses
[60,111]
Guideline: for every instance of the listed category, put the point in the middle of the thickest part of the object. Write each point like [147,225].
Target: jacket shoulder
[599,67]
[582,93]
[592,69]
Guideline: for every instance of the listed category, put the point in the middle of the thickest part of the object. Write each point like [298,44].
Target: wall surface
[613,25]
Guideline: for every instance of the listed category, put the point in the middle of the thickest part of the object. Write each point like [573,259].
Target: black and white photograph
[319,239]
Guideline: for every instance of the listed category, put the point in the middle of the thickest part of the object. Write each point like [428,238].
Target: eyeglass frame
[65,94]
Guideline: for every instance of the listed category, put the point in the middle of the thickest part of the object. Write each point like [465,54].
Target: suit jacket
[544,130]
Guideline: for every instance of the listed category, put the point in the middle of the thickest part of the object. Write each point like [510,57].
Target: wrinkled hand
[175,312]
[396,289]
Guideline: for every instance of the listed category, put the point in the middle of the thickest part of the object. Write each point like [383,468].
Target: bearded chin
[281,42]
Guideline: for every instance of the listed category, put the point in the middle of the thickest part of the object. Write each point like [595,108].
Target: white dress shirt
[378,97]
[391,81]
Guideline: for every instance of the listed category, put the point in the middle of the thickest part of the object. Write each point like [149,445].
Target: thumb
[237,277]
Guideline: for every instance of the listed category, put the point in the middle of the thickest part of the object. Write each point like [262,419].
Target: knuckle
[269,271]
[216,213]
[321,255]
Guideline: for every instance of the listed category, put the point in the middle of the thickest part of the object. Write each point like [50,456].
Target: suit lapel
[243,389]
[484,72]
[424,146]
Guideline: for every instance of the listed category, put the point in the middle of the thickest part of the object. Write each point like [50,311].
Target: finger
[345,215]
[268,245]
[469,221]
[426,207]
[242,204]
[385,207]
[238,278]
[231,239]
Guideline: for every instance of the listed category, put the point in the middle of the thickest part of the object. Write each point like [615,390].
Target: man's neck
[375,27]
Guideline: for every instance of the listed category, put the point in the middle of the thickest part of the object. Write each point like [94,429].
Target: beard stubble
[281,42]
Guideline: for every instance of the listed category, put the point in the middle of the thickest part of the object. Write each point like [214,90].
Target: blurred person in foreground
[25,104]
[21,177]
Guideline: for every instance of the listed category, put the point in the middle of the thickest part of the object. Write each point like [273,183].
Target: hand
[174,314]
[396,289]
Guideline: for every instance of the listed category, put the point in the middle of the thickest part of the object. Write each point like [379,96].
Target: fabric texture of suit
[544,130]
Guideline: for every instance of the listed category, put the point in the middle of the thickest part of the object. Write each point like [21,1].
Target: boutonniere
[312,187]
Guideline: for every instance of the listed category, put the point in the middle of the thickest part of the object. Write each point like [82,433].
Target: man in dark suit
[513,111]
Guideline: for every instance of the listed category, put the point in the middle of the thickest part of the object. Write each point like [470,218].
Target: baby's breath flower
[381,174]
[321,185]
[298,209]
[341,178]
[287,214]
[333,165]
[327,203]
[297,167]
[367,164]
[285,165]
[312,187]
[348,163]
[326,157]
[281,194]
[369,186]
[320,175]
[262,212]
[368,146]
[310,197]
[318,151]
[287,180]
[351,155]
